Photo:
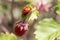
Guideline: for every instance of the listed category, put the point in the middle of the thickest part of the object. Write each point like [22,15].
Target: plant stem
[12,7]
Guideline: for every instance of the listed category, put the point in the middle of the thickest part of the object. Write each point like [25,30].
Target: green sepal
[30,5]
[33,15]
[23,17]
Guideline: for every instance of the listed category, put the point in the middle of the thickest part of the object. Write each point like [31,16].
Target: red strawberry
[20,28]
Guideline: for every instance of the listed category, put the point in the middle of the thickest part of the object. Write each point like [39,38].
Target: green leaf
[47,29]
[53,36]
[1,9]
[58,7]
[8,36]
[5,6]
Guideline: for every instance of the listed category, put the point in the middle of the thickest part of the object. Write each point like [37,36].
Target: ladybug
[26,10]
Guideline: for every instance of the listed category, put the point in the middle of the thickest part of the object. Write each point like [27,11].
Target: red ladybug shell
[26,10]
